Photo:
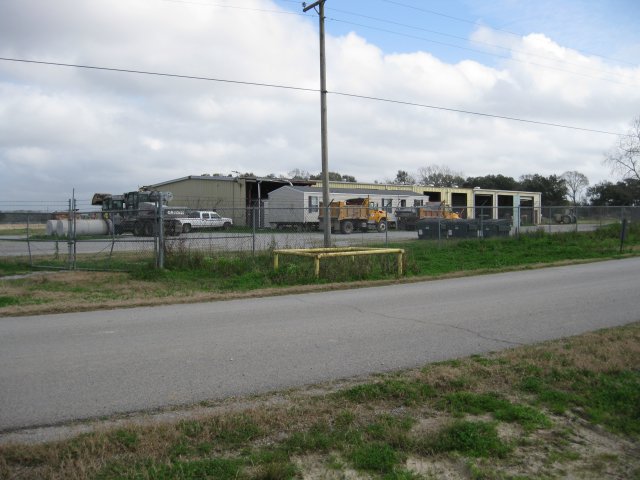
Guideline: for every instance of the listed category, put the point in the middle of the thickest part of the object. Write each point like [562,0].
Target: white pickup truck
[204,219]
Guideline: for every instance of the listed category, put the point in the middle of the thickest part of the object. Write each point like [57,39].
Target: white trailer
[297,207]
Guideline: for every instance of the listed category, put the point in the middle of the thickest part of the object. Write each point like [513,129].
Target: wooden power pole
[323,122]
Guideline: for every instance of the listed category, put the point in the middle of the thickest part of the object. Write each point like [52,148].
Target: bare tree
[439,176]
[625,157]
[298,174]
[575,182]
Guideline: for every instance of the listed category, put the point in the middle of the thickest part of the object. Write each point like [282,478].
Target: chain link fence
[117,240]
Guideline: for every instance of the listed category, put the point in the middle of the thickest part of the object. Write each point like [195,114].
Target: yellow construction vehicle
[354,214]
[407,217]
[447,212]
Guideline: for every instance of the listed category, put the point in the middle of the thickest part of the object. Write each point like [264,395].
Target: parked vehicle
[407,217]
[197,219]
[135,212]
[567,216]
[354,214]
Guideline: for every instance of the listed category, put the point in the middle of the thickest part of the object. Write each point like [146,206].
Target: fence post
[253,231]
[69,228]
[623,233]
[29,242]
[160,237]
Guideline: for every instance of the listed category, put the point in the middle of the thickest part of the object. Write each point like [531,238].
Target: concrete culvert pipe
[83,227]
[52,227]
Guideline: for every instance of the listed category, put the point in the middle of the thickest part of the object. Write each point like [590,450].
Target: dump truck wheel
[138,229]
[347,227]
[382,226]
[174,228]
[186,228]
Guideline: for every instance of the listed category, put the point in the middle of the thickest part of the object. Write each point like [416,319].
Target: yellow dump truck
[354,214]
[407,217]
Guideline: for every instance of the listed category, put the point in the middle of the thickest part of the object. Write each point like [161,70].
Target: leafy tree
[492,182]
[403,178]
[623,193]
[624,158]
[439,176]
[575,182]
[552,188]
[334,177]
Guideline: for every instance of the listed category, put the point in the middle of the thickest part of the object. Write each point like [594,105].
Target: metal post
[29,242]
[75,240]
[69,227]
[160,216]
[323,121]
[253,232]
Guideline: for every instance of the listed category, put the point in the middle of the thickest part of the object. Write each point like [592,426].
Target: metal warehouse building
[238,197]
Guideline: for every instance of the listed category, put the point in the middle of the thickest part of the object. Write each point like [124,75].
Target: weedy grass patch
[472,438]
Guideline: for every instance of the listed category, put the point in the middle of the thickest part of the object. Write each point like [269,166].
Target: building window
[314,204]
[403,203]
[386,204]
[417,203]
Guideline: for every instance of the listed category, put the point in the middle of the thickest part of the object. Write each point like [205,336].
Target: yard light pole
[323,121]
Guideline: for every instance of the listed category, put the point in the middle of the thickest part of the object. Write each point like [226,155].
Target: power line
[314,90]
[510,59]
[504,57]
[236,7]
[469,112]
[159,74]
[457,37]
[464,20]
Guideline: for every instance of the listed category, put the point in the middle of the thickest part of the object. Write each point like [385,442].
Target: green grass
[611,399]
[475,439]
[213,468]
[376,457]
[402,391]
[473,403]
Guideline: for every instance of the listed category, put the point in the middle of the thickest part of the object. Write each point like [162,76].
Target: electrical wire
[236,7]
[510,59]
[464,20]
[288,87]
[469,112]
[490,54]
[457,37]
[159,74]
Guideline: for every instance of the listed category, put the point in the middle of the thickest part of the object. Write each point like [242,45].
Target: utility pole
[323,121]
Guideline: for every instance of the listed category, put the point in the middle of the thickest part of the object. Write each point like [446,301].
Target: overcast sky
[573,63]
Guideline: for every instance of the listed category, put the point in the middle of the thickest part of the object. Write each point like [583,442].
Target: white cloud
[105,131]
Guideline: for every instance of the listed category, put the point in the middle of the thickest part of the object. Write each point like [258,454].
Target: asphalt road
[56,368]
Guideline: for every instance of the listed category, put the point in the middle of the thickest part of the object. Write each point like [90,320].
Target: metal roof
[358,192]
